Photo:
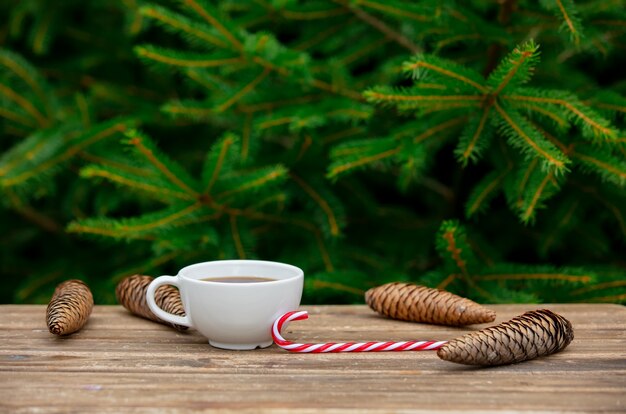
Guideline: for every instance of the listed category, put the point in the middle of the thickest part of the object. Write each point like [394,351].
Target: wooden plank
[121,363]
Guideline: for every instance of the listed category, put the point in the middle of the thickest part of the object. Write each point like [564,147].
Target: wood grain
[121,363]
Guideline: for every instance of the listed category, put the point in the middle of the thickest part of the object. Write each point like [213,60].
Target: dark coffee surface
[237,279]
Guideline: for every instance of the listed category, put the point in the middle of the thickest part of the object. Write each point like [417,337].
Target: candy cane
[344,346]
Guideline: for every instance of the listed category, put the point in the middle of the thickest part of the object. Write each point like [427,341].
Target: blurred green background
[139,137]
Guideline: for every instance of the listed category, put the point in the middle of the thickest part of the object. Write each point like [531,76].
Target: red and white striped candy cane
[344,346]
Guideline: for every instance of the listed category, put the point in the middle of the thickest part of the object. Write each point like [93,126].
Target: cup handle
[166,316]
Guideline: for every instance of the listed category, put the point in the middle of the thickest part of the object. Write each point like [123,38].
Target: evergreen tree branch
[445,69]
[188,60]
[243,91]
[85,140]
[24,71]
[610,167]
[271,105]
[179,22]
[131,181]
[332,220]
[386,95]
[515,69]
[529,212]
[16,117]
[253,181]
[324,251]
[132,228]
[443,126]
[567,10]
[534,276]
[341,134]
[144,148]
[484,191]
[560,121]
[236,237]
[532,139]
[599,126]
[245,137]
[468,145]
[338,168]
[381,26]
[32,215]
[215,163]
[25,104]
[207,13]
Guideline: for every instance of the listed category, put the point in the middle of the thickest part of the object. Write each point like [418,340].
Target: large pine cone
[131,293]
[531,335]
[409,302]
[69,308]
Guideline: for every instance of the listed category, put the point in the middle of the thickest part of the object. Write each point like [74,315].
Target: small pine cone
[409,302]
[69,308]
[531,335]
[131,293]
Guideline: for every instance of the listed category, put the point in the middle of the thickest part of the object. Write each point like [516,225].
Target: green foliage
[340,136]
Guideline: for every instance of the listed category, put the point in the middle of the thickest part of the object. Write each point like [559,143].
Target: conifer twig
[381,27]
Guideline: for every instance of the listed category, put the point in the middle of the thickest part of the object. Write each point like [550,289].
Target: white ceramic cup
[232,315]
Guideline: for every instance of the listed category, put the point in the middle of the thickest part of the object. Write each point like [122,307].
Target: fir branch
[208,13]
[568,11]
[534,276]
[216,158]
[141,183]
[381,26]
[415,96]
[171,171]
[530,205]
[332,220]
[514,126]
[484,191]
[16,117]
[29,213]
[469,147]
[27,73]
[324,13]
[252,181]
[610,167]
[443,126]
[364,153]
[592,124]
[75,146]
[236,237]
[243,91]
[187,60]
[135,227]
[515,69]
[25,104]
[446,71]
[179,22]
[245,137]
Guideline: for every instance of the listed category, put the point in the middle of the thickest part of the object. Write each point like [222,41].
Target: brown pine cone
[409,302]
[531,335]
[131,293]
[69,308]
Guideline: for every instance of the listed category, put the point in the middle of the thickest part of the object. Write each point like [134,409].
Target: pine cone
[131,293]
[409,302]
[69,308]
[531,335]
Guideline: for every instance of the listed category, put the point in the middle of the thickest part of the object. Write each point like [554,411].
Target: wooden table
[121,363]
